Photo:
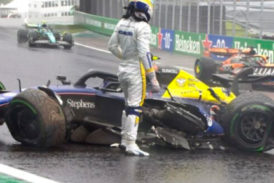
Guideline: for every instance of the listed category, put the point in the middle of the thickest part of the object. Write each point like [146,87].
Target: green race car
[42,34]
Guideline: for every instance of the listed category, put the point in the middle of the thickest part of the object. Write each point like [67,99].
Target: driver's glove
[154,82]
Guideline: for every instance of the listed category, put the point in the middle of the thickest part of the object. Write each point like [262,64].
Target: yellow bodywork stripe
[143,75]
[137,120]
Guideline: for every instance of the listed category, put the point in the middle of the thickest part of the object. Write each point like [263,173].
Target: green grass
[239,30]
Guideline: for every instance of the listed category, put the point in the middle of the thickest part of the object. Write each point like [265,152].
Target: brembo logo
[80,104]
[168,70]
[263,72]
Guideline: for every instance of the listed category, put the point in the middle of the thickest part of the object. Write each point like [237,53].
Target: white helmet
[142,8]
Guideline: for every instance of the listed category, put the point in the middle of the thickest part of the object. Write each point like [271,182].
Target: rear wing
[32,26]
[230,51]
[224,51]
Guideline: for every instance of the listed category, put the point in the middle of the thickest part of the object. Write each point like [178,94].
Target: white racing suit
[130,42]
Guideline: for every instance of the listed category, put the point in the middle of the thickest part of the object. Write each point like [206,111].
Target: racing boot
[130,125]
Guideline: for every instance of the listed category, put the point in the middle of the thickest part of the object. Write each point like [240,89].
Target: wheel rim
[253,127]
[197,68]
[26,122]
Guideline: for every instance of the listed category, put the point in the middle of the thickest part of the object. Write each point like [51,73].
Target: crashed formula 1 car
[186,113]
[260,75]
[42,34]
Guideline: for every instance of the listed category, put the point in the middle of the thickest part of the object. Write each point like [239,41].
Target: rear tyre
[67,37]
[22,35]
[204,68]
[34,119]
[248,122]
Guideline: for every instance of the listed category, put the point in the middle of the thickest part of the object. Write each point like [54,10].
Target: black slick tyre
[248,121]
[204,68]
[35,119]
[22,35]
[67,37]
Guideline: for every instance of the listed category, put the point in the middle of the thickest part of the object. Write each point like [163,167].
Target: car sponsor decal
[218,41]
[167,39]
[180,82]
[80,104]
[263,71]
[169,70]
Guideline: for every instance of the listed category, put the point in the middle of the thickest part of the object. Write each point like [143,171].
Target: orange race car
[260,75]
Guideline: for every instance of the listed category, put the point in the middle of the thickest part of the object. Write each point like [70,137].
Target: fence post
[233,19]
[166,5]
[160,12]
[173,14]
[208,17]
[221,18]
[110,7]
[247,20]
[198,18]
[262,9]
[181,15]
[104,7]
[97,7]
[188,16]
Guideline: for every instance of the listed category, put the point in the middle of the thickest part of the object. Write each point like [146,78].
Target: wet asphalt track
[76,163]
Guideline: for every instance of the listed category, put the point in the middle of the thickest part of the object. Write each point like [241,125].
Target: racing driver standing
[130,42]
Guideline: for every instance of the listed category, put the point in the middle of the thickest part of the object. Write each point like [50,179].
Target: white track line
[106,51]
[92,48]
[22,175]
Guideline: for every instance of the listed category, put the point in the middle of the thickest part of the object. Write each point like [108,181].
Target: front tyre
[22,35]
[35,119]
[67,37]
[248,122]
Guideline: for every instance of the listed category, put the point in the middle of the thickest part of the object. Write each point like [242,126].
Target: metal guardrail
[245,18]
[193,44]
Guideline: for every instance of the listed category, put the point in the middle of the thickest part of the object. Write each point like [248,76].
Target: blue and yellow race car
[187,113]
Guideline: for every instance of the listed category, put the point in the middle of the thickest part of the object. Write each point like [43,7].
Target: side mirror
[63,80]
[155,58]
